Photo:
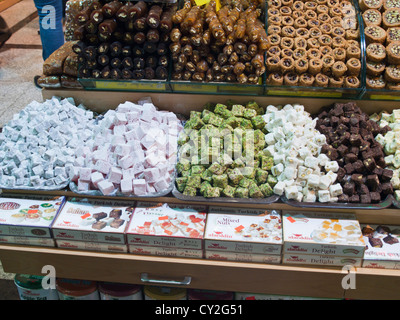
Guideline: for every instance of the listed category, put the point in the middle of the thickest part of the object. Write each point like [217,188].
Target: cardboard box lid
[321,228]
[168,220]
[382,242]
[94,215]
[266,228]
[29,212]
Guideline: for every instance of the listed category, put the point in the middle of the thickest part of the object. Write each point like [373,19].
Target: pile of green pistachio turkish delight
[221,153]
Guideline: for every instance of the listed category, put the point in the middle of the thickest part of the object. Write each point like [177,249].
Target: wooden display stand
[312,281]
[5,4]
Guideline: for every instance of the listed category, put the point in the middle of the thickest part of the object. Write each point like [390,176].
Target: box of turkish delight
[259,234]
[322,233]
[93,220]
[28,217]
[167,225]
[382,249]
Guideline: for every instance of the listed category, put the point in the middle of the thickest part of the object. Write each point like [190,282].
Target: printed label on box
[166,252]
[322,233]
[29,241]
[242,257]
[92,246]
[244,233]
[28,217]
[321,260]
[93,221]
[171,225]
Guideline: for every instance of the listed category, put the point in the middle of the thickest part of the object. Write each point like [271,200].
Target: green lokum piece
[204,185]
[246,124]
[258,122]
[195,114]
[216,168]
[205,112]
[235,175]
[238,110]
[254,191]
[267,162]
[197,169]
[229,191]
[248,172]
[272,181]
[220,108]
[254,105]
[207,175]
[183,165]
[266,189]
[211,192]
[244,182]
[220,181]
[194,180]
[241,192]
[190,191]
[232,121]
[261,175]
[215,120]
[194,123]
[249,113]
[186,173]
[238,163]
[181,183]
[183,138]
[226,114]
[225,160]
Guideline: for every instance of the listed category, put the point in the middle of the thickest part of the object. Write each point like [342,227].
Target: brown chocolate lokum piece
[349,188]
[343,198]
[375,197]
[387,175]
[373,182]
[365,198]
[390,239]
[115,213]
[375,242]
[100,215]
[387,188]
[350,158]
[116,223]
[368,231]
[359,166]
[99,225]
[355,198]
[382,229]
[369,164]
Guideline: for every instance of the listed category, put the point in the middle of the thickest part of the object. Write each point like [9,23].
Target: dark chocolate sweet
[375,242]
[99,225]
[368,231]
[116,223]
[100,215]
[390,239]
[115,213]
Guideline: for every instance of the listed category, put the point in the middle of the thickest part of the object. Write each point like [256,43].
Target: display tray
[125,85]
[217,88]
[29,188]
[396,203]
[177,194]
[382,94]
[337,205]
[323,92]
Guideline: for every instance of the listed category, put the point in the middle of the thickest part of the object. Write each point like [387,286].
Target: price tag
[203,2]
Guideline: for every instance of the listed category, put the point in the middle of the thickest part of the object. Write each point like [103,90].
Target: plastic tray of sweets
[324,92]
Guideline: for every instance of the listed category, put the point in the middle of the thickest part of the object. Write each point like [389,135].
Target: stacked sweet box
[96,225]
[167,230]
[322,238]
[236,234]
[382,249]
[28,220]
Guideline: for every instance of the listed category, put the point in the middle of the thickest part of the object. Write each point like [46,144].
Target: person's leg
[50,23]
[5,32]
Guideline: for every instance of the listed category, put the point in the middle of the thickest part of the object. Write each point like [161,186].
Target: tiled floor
[20,61]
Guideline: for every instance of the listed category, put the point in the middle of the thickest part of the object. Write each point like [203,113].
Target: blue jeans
[50,22]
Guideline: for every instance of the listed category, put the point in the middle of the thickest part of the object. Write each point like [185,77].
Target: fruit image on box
[28,217]
[320,233]
[93,220]
[382,246]
[167,225]
[260,234]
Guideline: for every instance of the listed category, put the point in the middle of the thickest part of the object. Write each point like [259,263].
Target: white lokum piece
[106,187]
